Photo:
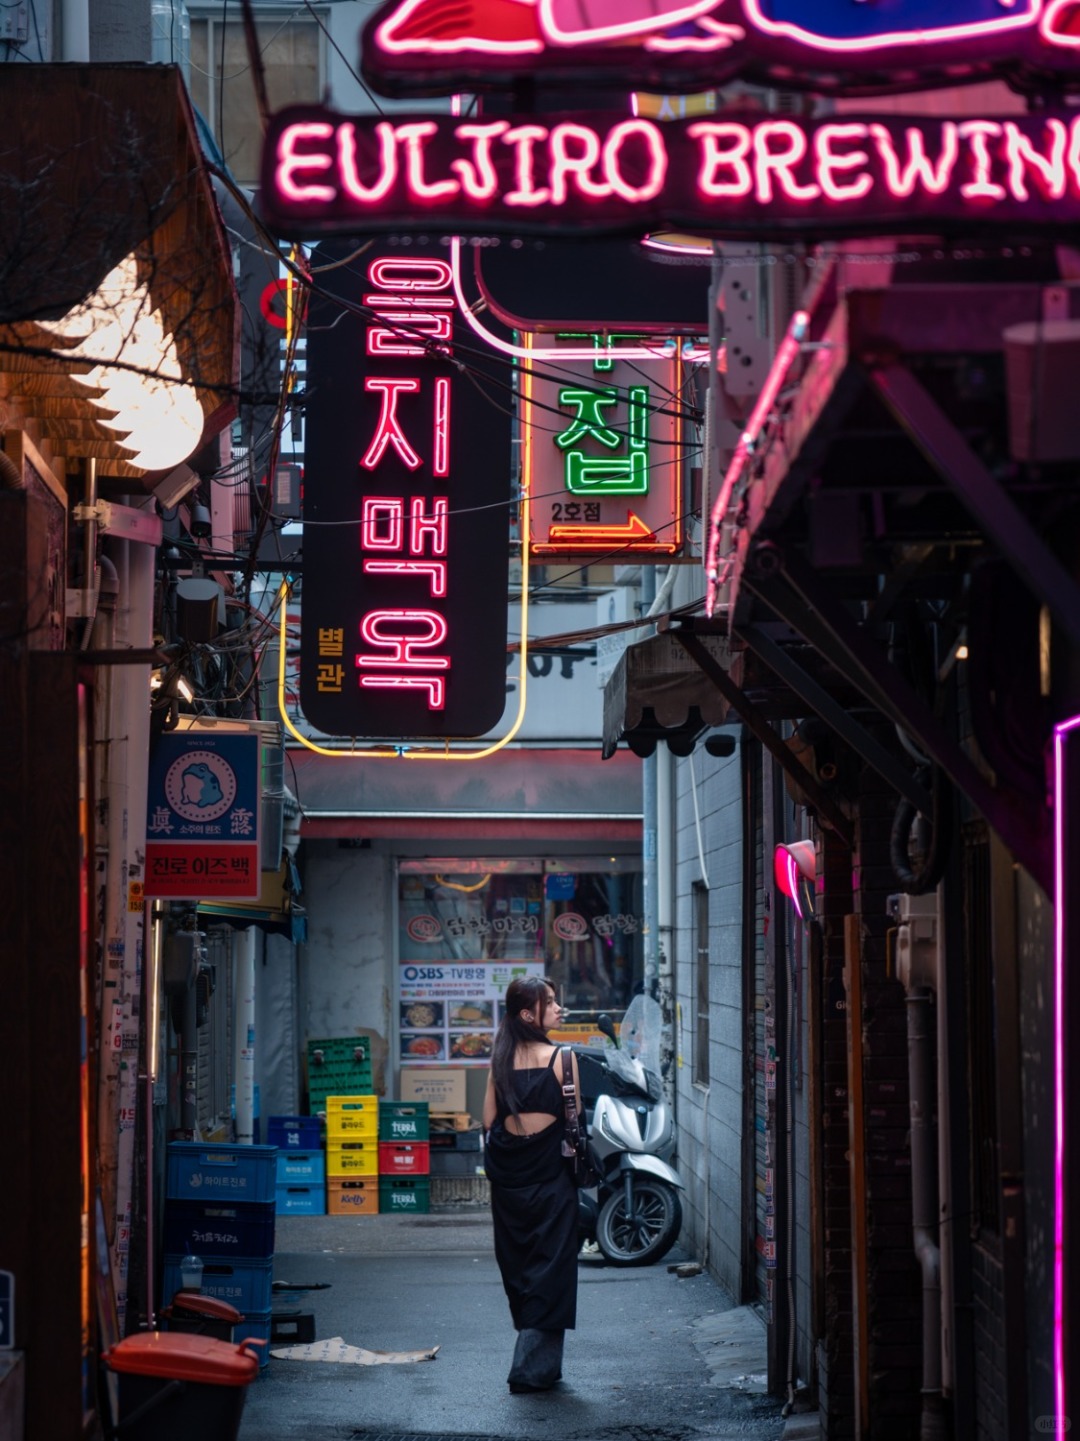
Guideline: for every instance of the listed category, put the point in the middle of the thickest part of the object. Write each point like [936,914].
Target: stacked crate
[404,1156]
[352,1155]
[301,1167]
[340,1066]
[219,1205]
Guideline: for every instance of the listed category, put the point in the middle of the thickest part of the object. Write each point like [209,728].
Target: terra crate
[197,1171]
[294,1133]
[404,1193]
[301,1168]
[404,1158]
[301,1200]
[213,1228]
[403,1121]
[213,1377]
[349,1118]
[245,1284]
[356,1197]
[352,1158]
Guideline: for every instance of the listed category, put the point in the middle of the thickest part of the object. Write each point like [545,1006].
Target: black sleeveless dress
[534,1208]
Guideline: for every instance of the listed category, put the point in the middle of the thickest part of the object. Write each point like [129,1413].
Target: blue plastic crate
[301,1200]
[301,1168]
[257,1326]
[294,1133]
[215,1228]
[245,1284]
[198,1171]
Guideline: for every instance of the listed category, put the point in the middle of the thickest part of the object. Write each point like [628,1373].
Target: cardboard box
[443,1088]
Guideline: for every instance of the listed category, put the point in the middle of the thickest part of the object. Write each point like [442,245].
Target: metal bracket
[123,521]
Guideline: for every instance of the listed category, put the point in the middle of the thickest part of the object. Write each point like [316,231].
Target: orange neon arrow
[634,533]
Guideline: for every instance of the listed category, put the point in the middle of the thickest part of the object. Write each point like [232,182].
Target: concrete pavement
[655,1357]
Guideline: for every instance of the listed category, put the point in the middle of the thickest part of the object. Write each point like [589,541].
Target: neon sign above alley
[414,47]
[732,173]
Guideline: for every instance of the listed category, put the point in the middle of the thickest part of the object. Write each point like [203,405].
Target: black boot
[537,1363]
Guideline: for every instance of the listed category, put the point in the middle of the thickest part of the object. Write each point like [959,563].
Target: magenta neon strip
[1060,892]
[782,363]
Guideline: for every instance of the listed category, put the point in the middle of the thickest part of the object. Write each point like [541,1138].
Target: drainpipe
[244,1070]
[917,970]
[649,872]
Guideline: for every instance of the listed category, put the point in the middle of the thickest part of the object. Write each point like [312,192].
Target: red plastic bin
[177,1387]
[404,1158]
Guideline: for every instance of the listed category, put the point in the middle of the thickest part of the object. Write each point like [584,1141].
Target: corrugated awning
[656,692]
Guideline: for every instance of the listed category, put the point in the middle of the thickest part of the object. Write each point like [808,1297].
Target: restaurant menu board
[450,1012]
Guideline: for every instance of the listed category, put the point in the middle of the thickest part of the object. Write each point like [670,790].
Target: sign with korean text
[603,454]
[202,816]
[425,47]
[728,174]
[406,526]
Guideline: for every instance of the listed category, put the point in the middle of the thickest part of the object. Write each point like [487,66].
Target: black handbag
[575,1145]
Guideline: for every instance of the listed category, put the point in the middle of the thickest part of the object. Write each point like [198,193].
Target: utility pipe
[244,1033]
[649,870]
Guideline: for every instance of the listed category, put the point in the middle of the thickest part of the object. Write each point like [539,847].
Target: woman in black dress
[533,1196]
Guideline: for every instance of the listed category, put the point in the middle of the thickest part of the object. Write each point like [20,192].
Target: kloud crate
[301,1168]
[198,1171]
[403,1121]
[209,1228]
[294,1133]
[351,1117]
[404,1158]
[356,1197]
[301,1200]
[352,1158]
[404,1193]
[245,1284]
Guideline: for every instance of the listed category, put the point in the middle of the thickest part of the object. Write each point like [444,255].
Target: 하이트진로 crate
[197,1171]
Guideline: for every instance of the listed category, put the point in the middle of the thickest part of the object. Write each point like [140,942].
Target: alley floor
[656,1356]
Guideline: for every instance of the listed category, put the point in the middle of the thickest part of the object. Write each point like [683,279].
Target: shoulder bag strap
[570,1099]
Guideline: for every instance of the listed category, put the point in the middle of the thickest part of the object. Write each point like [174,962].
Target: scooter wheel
[648,1232]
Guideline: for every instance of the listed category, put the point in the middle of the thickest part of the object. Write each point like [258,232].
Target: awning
[274,909]
[100,166]
[657,692]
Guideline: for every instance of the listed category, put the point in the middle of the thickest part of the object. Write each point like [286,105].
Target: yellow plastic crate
[355,1157]
[351,1117]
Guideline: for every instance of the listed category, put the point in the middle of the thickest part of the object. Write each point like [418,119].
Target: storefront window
[468,927]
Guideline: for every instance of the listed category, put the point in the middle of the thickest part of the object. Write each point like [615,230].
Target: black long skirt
[534,1215]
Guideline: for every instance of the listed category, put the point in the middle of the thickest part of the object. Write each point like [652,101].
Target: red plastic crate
[404,1158]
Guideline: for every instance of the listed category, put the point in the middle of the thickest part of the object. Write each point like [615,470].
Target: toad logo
[423,46]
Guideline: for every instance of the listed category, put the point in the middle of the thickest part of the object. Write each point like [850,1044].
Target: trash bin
[179,1387]
[201,1315]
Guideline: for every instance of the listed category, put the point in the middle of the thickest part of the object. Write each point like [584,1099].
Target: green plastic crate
[333,1070]
[403,1120]
[404,1193]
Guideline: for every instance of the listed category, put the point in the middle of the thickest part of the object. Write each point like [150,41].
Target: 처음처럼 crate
[301,1200]
[351,1118]
[301,1168]
[213,1228]
[357,1196]
[353,1158]
[404,1158]
[403,1121]
[198,1170]
[294,1133]
[245,1284]
[404,1193]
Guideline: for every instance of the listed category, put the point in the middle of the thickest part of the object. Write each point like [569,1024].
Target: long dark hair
[527,993]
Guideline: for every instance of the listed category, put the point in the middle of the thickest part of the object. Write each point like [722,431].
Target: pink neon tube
[782,363]
[1060,732]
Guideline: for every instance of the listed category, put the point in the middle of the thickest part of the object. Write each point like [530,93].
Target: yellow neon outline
[455,886]
[405,749]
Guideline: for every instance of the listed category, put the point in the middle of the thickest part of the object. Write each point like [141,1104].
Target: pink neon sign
[436,46]
[403,629]
[728,174]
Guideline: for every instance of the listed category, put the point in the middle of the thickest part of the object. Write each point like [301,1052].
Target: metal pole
[244,1031]
[649,870]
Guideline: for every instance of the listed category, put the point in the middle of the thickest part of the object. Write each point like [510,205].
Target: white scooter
[635,1214]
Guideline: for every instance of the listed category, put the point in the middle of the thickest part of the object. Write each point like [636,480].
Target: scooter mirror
[607,1025]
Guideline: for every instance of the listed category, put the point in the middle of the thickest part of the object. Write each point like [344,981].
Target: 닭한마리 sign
[732,173]
[202,821]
